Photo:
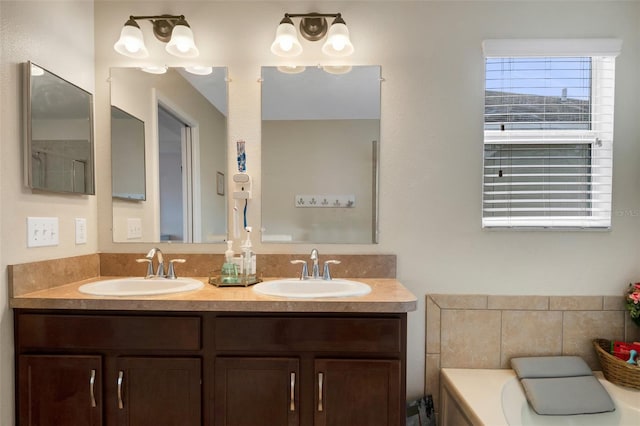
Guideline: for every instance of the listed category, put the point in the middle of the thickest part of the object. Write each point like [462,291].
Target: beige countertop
[386,296]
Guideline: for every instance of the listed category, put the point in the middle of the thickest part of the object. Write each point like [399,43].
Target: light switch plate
[42,231]
[81,230]
[134,228]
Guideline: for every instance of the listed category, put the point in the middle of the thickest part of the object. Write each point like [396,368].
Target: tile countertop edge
[387,296]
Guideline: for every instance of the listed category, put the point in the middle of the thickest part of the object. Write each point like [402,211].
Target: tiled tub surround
[486,331]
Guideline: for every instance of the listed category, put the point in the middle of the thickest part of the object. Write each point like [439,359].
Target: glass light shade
[181,43]
[131,42]
[291,69]
[286,43]
[155,69]
[199,70]
[337,69]
[338,43]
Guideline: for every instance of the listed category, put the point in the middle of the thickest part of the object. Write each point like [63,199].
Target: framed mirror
[184,117]
[320,154]
[128,180]
[58,122]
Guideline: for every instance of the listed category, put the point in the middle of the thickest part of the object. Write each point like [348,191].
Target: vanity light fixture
[171,29]
[313,27]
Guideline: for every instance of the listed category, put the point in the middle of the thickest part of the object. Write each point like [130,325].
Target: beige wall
[318,157]
[431,138]
[39,32]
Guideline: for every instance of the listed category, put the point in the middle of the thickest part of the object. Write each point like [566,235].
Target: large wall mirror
[58,154]
[178,177]
[320,154]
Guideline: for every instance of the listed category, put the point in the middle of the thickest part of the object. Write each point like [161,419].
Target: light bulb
[286,44]
[338,43]
[132,45]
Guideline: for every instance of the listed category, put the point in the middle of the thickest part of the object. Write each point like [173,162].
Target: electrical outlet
[42,231]
[134,228]
[81,230]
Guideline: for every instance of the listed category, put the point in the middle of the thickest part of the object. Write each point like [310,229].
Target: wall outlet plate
[42,231]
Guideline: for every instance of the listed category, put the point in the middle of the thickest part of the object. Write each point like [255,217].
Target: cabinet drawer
[108,332]
[308,334]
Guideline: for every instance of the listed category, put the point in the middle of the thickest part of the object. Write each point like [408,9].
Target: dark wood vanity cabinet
[214,369]
[310,370]
[58,390]
[126,370]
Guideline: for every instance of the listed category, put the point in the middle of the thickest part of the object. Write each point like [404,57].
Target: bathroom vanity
[211,357]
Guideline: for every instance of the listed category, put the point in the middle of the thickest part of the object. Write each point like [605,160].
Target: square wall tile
[470,339]
[581,327]
[530,333]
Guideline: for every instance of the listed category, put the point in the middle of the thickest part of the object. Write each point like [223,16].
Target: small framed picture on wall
[220,183]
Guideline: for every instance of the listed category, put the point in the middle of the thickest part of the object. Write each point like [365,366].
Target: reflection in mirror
[58,134]
[127,156]
[320,133]
[185,130]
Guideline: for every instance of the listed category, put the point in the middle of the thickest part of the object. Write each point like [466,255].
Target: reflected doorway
[176,176]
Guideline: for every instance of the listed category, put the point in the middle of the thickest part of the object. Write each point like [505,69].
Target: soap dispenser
[229,268]
[248,258]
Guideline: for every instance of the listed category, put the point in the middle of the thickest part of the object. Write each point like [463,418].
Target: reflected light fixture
[171,29]
[313,27]
[199,69]
[153,69]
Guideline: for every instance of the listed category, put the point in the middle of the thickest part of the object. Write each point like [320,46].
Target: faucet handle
[304,275]
[149,266]
[171,274]
[326,275]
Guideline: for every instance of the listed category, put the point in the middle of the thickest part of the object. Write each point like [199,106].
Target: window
[548,133]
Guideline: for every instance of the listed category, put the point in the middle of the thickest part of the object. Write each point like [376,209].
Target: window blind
[548,141]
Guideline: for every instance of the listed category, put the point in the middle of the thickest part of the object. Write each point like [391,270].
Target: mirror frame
[90,181]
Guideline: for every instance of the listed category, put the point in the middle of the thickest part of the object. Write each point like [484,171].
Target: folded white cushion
[561,385]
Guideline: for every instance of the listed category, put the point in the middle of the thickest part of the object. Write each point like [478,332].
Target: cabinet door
[158,391]
[357,393]
[59,390]
[256,391]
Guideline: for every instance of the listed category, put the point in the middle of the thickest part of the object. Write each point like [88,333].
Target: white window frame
[602,53]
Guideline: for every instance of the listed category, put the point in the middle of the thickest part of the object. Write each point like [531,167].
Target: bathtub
[477,397]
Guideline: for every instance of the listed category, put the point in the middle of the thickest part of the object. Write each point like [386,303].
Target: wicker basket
[614,369]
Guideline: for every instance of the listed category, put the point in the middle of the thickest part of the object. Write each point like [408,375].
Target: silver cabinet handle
[120,379]
[320,391]
[92,384]
[292,389]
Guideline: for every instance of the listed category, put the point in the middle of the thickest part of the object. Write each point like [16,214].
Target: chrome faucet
[315,271]
[156,252]
[315,274]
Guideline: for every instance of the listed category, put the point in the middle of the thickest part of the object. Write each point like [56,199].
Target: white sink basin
[140,286]
[294,287]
